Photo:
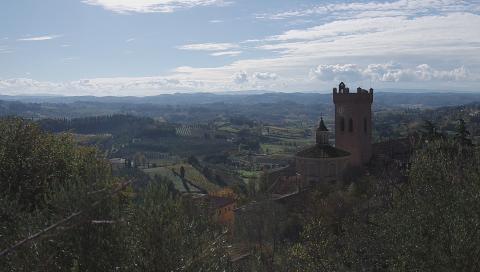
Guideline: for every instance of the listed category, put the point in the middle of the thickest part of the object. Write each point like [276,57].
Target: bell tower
[322,134]
[353,123]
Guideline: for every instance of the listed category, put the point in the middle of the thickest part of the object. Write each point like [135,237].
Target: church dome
[322,152]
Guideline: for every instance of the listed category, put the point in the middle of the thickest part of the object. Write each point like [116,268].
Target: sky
[151,47]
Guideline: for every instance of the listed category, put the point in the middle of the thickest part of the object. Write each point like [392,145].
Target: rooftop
[322,152]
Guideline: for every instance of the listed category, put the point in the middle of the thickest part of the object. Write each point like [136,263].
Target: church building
[353,139]
[321,162]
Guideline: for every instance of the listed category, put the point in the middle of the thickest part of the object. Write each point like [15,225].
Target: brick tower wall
[354,136]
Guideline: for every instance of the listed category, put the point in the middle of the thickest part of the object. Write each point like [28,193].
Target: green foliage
[45,178]
[462,135]
[33,163]
[429,223]
[164,233]
[116,124]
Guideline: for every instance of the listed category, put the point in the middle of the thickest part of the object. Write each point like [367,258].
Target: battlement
[343,95]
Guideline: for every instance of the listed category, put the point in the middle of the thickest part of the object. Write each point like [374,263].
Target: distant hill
[204,107]
[400,99]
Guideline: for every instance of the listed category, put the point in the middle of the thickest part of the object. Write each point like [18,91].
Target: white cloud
[265,76]
[215,21]
[150,6]
[139,86]
[26,86]
[388,72]
[5,50]
[226,53]
[437,32]
[452,38]
[188,79]
[339,29]
[40,38]
[240,77]
[377,9]
[445,42]
[337,72]
[130,40]
[208,46]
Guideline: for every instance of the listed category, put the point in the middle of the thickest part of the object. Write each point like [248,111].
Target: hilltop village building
[323,163]
[327,164]
[353,123]
[353,140]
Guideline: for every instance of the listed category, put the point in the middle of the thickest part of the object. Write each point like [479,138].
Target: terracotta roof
[322,151]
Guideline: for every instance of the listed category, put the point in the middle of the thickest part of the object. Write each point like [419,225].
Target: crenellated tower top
[343,95]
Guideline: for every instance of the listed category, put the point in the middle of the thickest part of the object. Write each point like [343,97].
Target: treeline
[275,112]
[396,123]
[16,108]
[114,124]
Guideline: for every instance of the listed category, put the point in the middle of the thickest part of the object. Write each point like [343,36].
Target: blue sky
[149,47]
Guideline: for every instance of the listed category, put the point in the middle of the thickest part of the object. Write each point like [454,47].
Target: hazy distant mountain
[401,99]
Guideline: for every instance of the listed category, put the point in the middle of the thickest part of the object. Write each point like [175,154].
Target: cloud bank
[386,73]
[152,6]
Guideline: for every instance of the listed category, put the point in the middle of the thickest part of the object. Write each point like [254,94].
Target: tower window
[342,124]
[350,125]
[365,125]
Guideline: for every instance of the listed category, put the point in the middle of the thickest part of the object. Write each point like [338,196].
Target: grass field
[166,172]
[191,174]
[229,129]
[249,174]
[197,178]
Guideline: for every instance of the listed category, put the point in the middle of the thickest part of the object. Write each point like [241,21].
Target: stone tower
[353,123]
[322,134]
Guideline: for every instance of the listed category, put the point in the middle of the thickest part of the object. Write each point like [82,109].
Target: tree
[182,172]
[193,161]
[426,224]
[430,131]
[43,179]
[164,233]
[462,135]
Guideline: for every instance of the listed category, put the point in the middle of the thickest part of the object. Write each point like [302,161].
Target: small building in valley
[223,210]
